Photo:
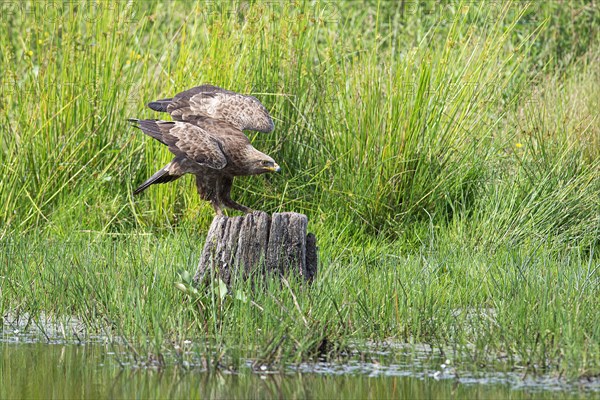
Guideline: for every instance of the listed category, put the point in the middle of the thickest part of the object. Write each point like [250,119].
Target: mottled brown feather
[243,112]
[207,141]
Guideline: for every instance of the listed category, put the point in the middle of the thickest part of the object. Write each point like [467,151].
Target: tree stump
[258,243]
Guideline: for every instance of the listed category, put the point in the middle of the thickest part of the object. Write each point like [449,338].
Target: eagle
[206,137]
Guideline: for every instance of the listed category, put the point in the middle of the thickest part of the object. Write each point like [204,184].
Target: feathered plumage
[207,140]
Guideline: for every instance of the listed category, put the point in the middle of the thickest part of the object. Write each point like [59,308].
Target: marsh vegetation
[446,153]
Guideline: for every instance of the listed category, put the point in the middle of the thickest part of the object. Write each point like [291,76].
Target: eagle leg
[225,196]
[216,204]
[227,202]
[217,207]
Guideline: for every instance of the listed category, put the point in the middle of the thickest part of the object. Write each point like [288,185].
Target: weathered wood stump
[258,243]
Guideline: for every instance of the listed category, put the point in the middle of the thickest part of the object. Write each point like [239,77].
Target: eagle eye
[265,162]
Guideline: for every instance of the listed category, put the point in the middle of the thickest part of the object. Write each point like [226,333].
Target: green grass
[532,307]
[447,156]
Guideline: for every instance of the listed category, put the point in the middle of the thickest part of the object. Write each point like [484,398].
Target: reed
[446,154]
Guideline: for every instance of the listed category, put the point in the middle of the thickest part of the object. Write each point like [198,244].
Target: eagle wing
[186,140]
[243,112]
[219,129]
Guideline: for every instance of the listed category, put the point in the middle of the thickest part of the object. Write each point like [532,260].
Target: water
[35,366]
[39,370]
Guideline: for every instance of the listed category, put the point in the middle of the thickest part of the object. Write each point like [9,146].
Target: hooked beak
[275,168]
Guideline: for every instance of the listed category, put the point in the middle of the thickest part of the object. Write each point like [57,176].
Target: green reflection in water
[36,370]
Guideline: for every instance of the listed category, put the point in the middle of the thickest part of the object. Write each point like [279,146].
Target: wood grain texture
[258,244]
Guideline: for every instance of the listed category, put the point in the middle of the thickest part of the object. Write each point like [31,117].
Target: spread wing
[186,140]
[220,129]
[241,111]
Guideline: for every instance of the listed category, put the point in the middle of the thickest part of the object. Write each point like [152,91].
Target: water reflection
[37,370]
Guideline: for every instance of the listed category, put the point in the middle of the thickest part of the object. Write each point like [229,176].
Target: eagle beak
[275,168]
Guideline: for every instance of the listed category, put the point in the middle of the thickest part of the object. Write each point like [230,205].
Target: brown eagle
[207,140]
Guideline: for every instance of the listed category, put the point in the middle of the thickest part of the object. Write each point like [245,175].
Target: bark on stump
[258,243]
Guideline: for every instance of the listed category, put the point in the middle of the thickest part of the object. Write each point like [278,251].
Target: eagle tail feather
[162,176]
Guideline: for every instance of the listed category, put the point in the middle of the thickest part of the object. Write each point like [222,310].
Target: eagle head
[260,163]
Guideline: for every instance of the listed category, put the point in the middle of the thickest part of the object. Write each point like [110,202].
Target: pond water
[41,363]
[40,370]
